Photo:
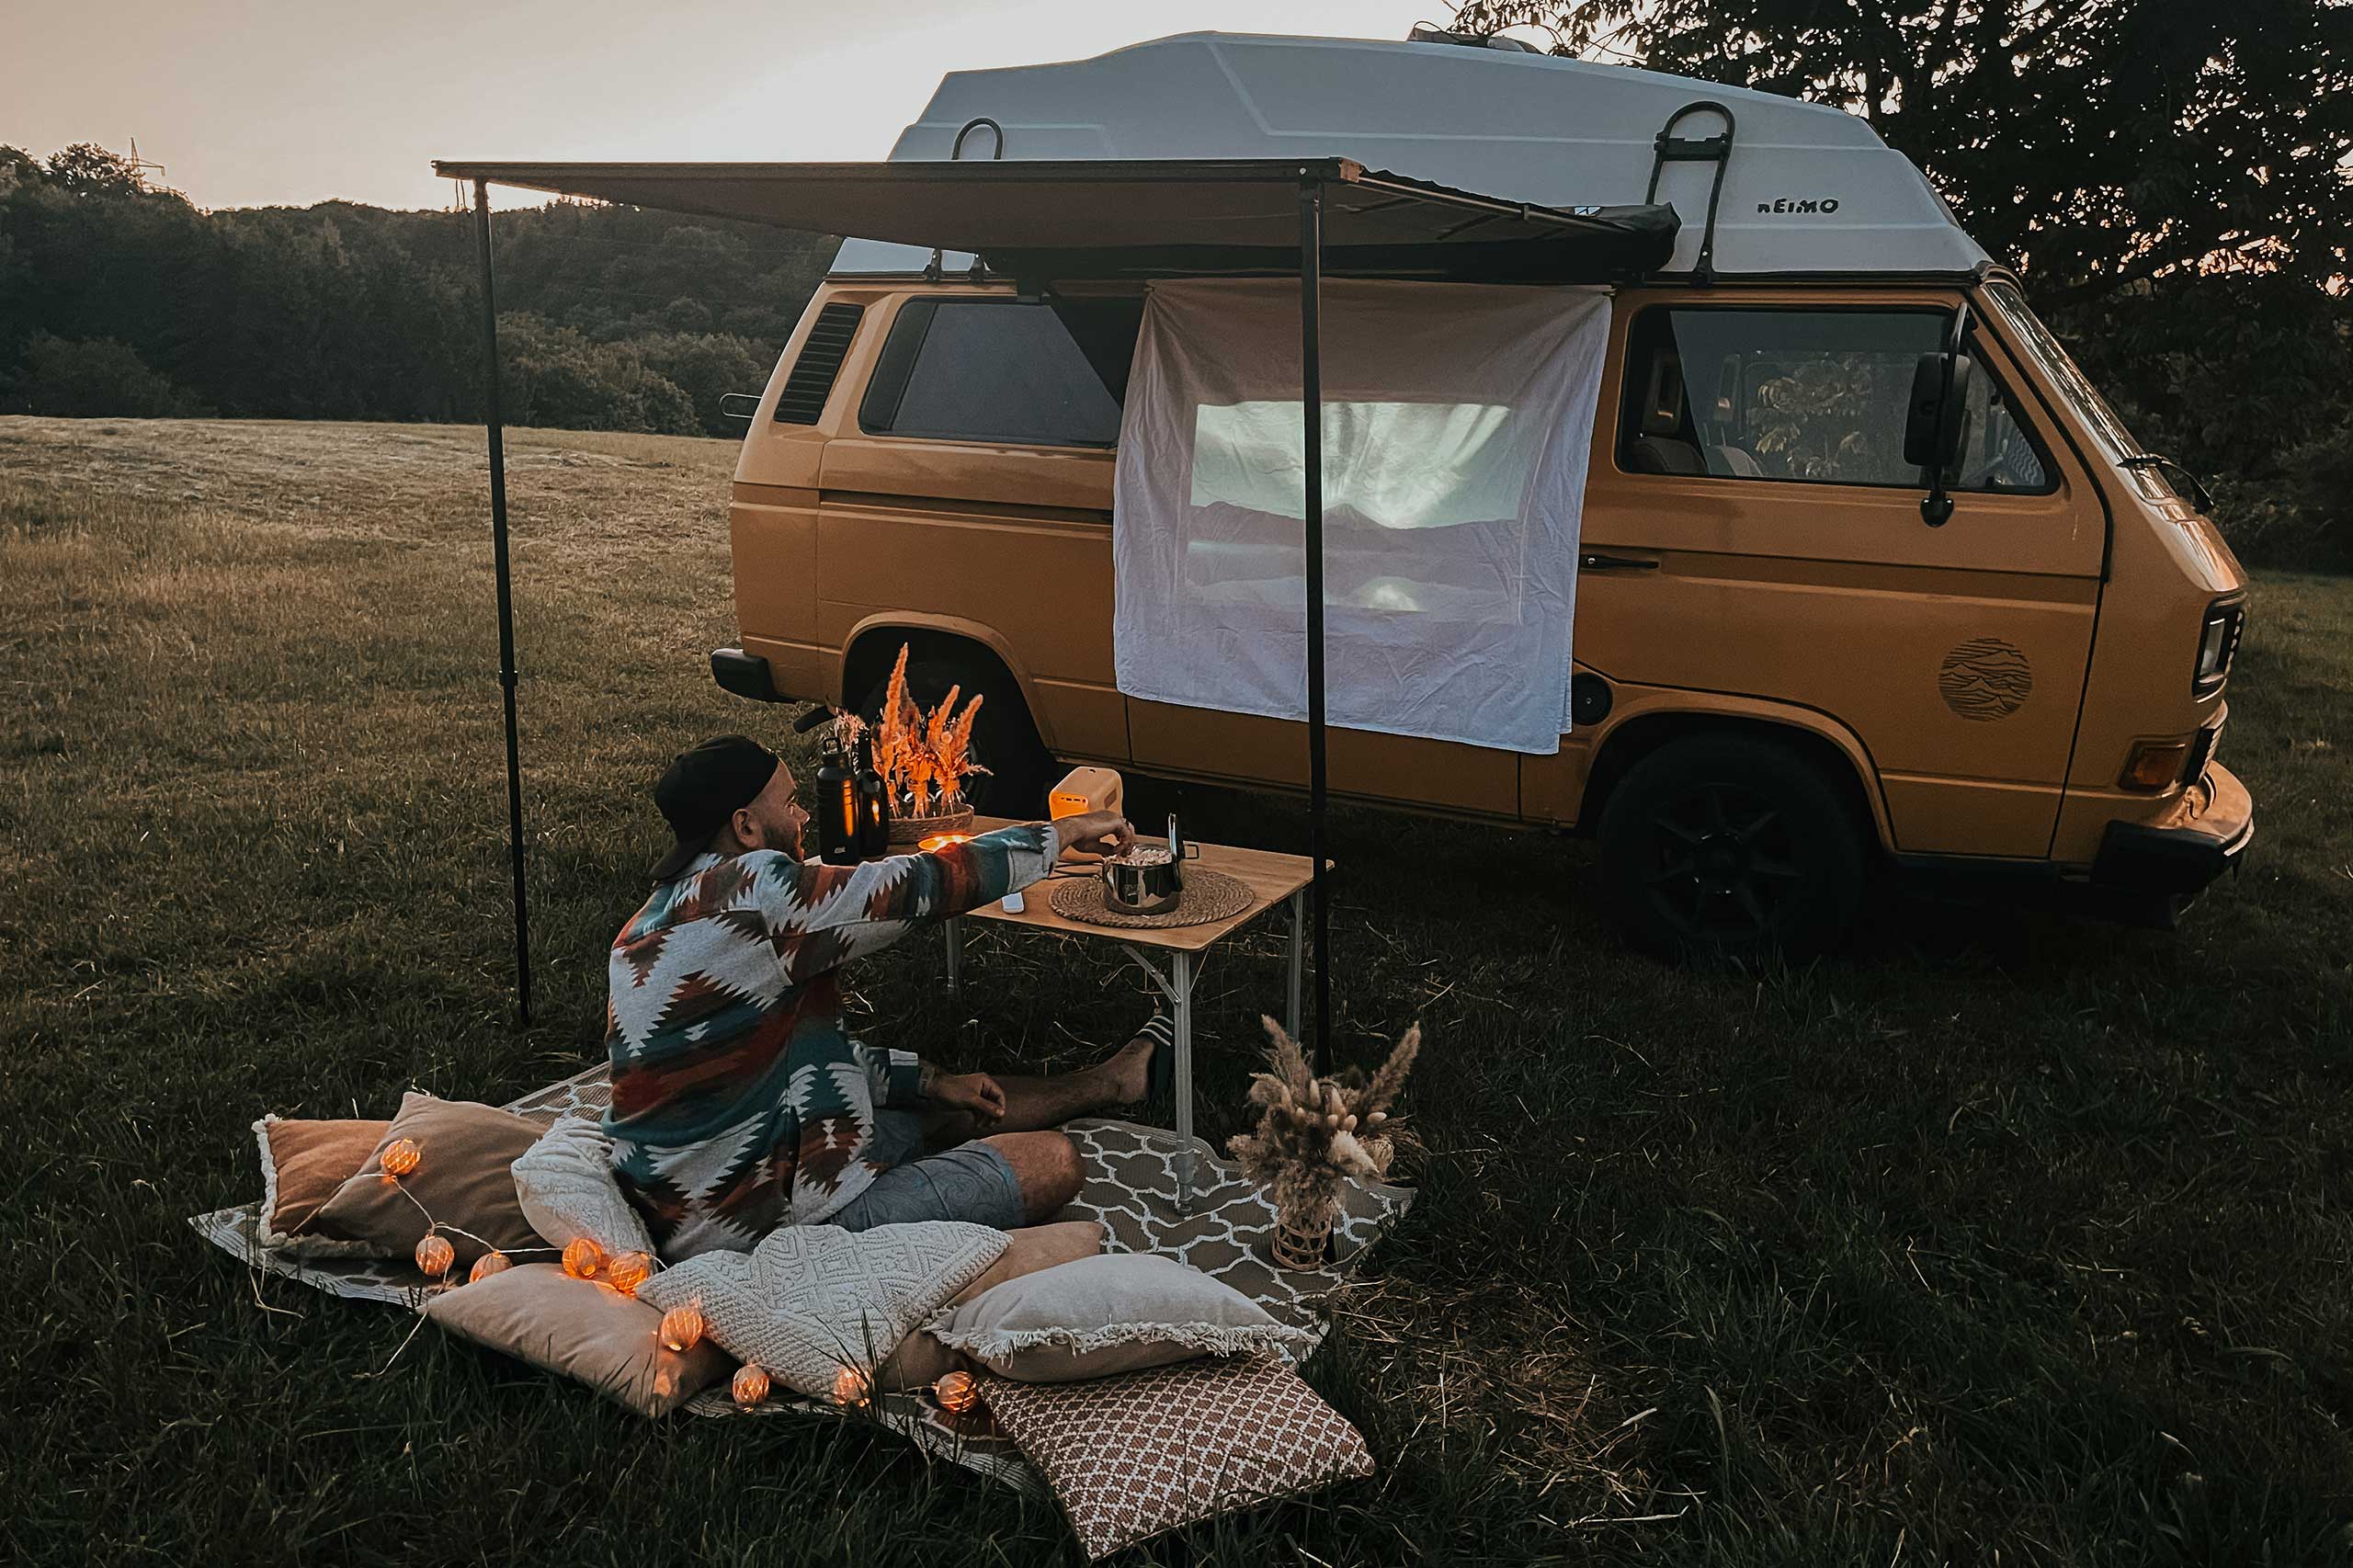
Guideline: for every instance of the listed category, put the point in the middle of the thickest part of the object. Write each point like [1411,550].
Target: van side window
[1814,396]
[979,369]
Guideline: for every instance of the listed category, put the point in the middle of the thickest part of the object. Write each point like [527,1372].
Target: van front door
[1763,541]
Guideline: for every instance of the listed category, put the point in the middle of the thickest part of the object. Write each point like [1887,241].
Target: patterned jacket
[739,1104]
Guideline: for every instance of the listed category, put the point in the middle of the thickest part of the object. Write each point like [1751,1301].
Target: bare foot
[1128,1072]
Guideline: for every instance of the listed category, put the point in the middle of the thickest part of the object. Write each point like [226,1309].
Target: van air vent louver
[802,402]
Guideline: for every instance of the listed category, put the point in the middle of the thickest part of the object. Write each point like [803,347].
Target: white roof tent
[1046,220]
[1765,186]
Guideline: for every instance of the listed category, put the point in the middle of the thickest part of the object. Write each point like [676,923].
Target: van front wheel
[1730,845]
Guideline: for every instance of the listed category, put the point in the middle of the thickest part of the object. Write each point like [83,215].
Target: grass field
[1999,1238]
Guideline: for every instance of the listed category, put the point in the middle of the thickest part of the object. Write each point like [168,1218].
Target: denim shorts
[971,1182]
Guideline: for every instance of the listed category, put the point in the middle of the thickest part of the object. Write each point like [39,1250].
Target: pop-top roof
[1806,189]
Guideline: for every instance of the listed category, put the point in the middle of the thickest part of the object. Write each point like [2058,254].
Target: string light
[957,1392]
[401,1156]
[434,1255]
[750,1387]
[681,1328]
[583,1258]
[488,1264]
[850,1386]
[627,1271]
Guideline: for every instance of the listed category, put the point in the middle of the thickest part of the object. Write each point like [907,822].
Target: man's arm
[830,914]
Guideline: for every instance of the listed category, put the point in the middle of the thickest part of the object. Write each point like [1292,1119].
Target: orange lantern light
[488,1264]
[850,1386]
[750,1387]
[627,1271]
[681,1328]
[434,1255]
[583,1258]
[957,1392]
[401,1156]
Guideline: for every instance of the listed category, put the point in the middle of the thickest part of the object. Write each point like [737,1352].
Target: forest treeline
[115,299]
[119,299]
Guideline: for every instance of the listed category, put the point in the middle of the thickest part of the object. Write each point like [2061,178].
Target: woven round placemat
[1208,896]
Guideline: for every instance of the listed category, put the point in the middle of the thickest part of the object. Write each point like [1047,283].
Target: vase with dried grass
[925,760]
[1315,1133]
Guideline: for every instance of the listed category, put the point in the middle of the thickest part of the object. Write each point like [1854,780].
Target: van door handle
[1598,563]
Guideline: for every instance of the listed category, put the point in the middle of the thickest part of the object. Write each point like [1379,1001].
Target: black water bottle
[836,806]
[873,805]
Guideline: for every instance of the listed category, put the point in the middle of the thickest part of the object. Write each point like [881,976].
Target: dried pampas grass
[1316,1132]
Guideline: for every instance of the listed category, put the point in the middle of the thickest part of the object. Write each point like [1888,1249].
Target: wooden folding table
[1170,954]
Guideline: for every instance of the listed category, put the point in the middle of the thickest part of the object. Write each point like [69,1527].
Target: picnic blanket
[1129,1187]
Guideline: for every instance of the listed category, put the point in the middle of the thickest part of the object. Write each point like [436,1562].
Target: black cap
[704,788]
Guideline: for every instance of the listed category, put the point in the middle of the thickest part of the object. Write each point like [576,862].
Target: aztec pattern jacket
[739,1104]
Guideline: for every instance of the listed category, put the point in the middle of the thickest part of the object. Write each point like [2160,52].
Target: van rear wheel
[1004,740]
[1729,845]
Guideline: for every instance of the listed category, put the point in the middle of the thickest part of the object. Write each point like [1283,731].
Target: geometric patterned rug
[1129,1187]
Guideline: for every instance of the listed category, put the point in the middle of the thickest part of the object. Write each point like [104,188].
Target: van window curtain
[1458,421]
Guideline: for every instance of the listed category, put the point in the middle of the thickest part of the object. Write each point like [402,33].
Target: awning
[1110,218]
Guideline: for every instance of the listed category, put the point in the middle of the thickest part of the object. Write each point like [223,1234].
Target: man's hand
[974,1092]
[1095,833]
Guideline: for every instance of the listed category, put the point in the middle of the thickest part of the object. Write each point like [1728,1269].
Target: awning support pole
[505,604]
[1310,401]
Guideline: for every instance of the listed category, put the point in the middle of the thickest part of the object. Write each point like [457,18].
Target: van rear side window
[1814,396]
[973,369]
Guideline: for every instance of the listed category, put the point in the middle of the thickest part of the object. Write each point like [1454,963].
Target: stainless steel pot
[1146,887]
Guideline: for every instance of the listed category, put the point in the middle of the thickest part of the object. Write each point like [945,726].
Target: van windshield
[2092,412]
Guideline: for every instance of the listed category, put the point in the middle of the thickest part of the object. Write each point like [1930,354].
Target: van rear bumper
[745,675]
[2206,830]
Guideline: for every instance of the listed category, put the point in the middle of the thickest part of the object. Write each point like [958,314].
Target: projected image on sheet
[1423,506]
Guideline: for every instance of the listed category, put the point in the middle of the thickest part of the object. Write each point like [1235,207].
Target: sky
[271,103]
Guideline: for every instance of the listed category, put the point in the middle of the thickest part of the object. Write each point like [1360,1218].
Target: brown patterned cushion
[1131,1456]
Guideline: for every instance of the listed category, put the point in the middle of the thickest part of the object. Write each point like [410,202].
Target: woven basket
[911,830]
[1301,1245]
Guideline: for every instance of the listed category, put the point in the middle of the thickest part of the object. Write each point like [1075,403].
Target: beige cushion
[537,1313]
[1112,1313]
[302,1164]
[564,1186]
[1130,1456]
[920,1360]
[464,1179]
[810,1300]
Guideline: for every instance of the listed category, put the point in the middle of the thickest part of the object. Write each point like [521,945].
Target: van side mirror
[1935,424]
[743,406]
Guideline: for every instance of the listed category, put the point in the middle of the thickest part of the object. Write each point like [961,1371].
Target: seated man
[740,1105]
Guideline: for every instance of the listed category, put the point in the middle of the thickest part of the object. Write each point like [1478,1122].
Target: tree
[2090,143]
[87,169]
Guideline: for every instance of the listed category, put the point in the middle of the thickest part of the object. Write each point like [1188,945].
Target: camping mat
[1129,1187]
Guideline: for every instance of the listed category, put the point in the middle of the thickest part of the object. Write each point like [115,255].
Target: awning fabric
[1110,218]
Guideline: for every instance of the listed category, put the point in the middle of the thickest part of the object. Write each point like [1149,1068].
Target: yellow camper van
[1783,668]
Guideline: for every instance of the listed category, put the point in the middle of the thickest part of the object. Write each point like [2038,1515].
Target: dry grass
[1999,1235]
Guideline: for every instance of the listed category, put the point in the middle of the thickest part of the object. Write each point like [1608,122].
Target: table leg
[1298,957]
[1183,990]
[954,928]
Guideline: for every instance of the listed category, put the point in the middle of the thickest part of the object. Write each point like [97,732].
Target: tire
[1004,740]
[1730,844]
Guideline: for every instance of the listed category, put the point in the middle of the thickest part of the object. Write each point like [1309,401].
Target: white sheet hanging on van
[1456,423]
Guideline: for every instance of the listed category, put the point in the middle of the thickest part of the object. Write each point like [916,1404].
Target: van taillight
[2218,639]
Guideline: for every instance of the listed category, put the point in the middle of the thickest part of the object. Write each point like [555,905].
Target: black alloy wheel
[1730,844]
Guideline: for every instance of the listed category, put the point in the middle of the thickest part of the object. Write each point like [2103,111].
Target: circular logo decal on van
[1985,678]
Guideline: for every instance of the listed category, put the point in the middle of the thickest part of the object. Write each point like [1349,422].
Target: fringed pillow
[1130,1456]
[303,1164]
[1112,1313]
[577,1328]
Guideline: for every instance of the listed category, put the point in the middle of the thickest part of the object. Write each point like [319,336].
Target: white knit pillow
[1115,1313]
[564,1184]
[810,1300]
